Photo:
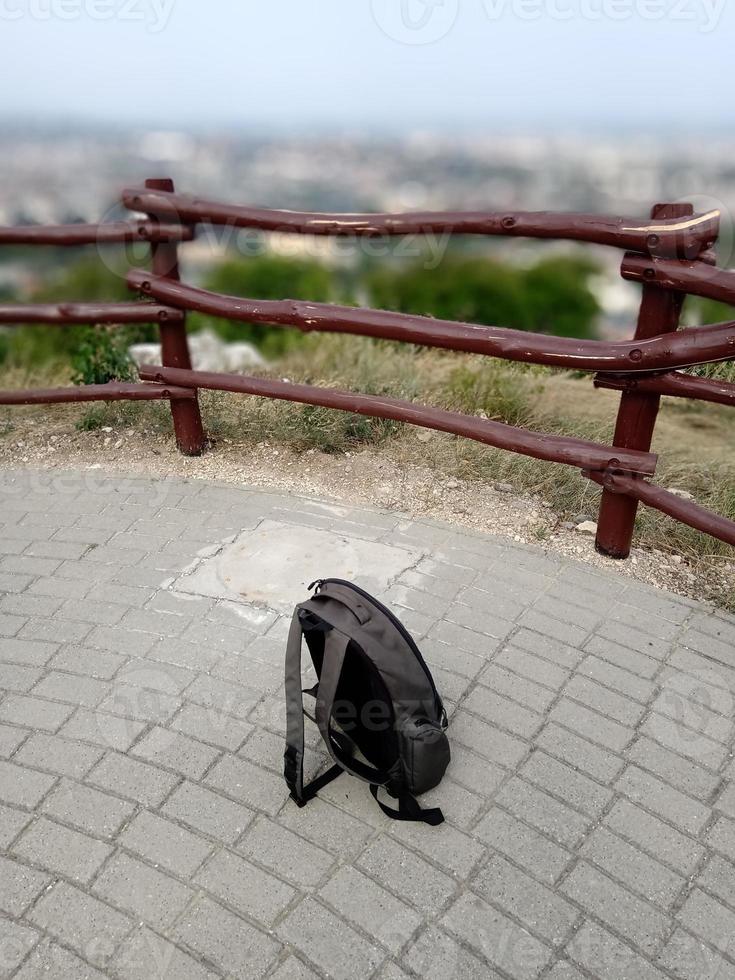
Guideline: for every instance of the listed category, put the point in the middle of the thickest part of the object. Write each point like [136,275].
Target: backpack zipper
[401,629]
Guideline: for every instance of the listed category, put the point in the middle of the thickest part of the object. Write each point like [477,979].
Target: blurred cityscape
[75,174]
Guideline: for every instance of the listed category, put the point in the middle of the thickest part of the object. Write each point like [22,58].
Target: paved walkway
[145,831]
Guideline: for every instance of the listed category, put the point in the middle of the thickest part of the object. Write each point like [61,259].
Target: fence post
[174,346]
[659,313]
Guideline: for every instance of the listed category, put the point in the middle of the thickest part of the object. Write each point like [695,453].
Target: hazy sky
[392,63]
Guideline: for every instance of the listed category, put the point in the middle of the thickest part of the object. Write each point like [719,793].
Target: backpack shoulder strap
[293,757]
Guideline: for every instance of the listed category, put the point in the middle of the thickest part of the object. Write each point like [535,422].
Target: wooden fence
[670,254]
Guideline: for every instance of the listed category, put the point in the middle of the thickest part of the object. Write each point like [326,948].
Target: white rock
[684,494]
[587,527]
[208,353]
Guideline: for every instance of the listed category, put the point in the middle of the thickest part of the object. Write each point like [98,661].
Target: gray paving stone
[654,836]
[330,944]
[591,725]
[139,781]
[328,826]
[246,888]
[162,747]
[520,689]
[23,787]
[618,678]
[578,752]
[11,823]
[606,957]
[21,885]
[56,848]
[102,729]
[139,889]
[497,938]
[87,809]
[532,668]
[612,700]
[448,847]
[545,644]
[370,907]
[662,799]
[10,625]
[86,692]
[538,907]
[474,771]
[718,877]
[92,611]
[708,919]
[16,941]
[280,850]
[211,726]
[543,812]
[18,678]
[498,710]
[10,739]
[634,639]
[248,784]
[165,844]
[721,836]
[562,781]
[524,845]
[228,942]
[147,956]
[681,773]
[55,630]
[489,741]
[632,867]
[293,969]
[618,908]
[34,712]
[418,883]
[602,699]
[685,957]
[90,927]
[207,812]
[437,956]
[563,970]
[84,660]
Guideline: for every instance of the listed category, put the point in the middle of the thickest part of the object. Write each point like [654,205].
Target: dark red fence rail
[670,254]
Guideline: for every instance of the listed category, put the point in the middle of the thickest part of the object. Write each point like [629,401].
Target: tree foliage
[553,296]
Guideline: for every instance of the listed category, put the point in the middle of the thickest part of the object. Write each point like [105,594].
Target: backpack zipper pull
[316,583]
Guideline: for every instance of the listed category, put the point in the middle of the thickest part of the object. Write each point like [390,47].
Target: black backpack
[375,697]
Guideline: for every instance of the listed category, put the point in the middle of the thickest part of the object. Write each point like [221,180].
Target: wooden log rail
[109,233]
[111,392]
[67,314]
[687,237]
[696,346]
[554,449]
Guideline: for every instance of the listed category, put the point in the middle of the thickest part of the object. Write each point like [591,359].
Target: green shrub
[101,356]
